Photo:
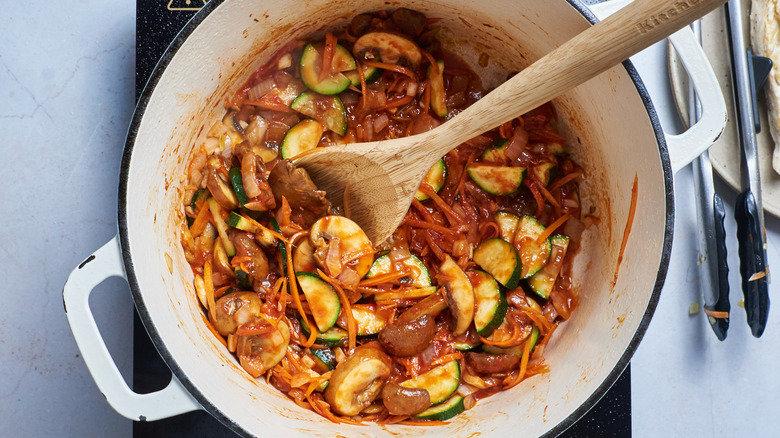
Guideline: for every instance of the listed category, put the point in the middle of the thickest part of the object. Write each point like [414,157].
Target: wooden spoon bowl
[380,178]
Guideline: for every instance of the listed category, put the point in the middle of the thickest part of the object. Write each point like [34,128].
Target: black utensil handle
[752,262]
[719,322]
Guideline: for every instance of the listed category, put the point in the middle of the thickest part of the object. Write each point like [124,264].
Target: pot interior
[612,133]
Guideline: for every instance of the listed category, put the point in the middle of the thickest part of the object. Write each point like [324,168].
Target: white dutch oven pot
[614,134]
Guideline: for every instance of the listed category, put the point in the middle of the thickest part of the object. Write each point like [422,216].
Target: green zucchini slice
[371,74]
[533,254]
[199,195]
[242,280]
[434,178]
[443,411]
[323,300]
[544,172]
[507,224]
[238,185]
[438,94]
[302,137]
[495,152]
[311,64]
[497,180]
[490,302]
[441,382]
[324,359]
[418,272]
[543,281]
[500,259]
[334,337]
[459,294]
[328,110]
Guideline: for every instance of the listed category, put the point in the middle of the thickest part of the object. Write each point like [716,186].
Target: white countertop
[66,98]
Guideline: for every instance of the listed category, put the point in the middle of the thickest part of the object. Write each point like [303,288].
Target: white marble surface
[66,98]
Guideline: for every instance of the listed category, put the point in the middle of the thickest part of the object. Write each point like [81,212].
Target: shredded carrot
[426,98]
[538,319]
[547,336]
[201,220]
[433,245]
[563,181]
[538,198]
[514,339]
[716,314]
[363,86]
[431,226]
[395,103]
[327,56]
[297,299]
[523,364]
[393,67]
[488,225]
[629,222]
[265,229]
[552,227]
[423,211]
[447,358]
[354,255]
[452,216]
[208,283]
[462,180]
[351,326]
[547,195]
[294,360]
[383,278]
[221,291]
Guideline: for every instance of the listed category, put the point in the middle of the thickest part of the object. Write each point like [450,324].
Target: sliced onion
[349,277]
[517,143]
[248,174]
[460,248]
[333,257]
[260,89]
[473,380]
[469,402]
[411,88]
[255,132]
[465,389]
[381,121]
[399,254]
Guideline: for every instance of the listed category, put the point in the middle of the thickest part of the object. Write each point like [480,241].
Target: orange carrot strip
[563,181]
[523,364]
[397,102]
[363,86]
[629,222]
[433,245]
[453,217]
[716,314]
[538,198]
[392,67]
[201,220]
[547,195]
[552,227]
[327,56]
[447,358]
[270,105]
[431,226]
[383,278]
[426,98]
[297,299]
[265,229]
[351,326]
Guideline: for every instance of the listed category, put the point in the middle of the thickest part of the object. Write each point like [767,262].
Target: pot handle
[685,147]
[104,263]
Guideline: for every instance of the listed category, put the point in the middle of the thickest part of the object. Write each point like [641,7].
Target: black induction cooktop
[157,24]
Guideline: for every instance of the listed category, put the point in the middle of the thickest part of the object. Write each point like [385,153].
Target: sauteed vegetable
[457,305]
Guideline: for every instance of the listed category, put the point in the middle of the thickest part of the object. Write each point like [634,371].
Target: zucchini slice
[533,254]
[368,320]
[197,198]
[328,110]
[500,259]
[544,172]
[242,280]
[543,281]
[434,178]
[262,235]
[459,294]
[311,65]
[322,298]
[351,238]
[495,152]
[443,411]
[302,137]
[334,337]
[438,94]
[441,382]
[372,74]
[555,148]
[490,302]
[324,359]
[419,274]
[238,185]
[497,180]
[388,47]
[507,224]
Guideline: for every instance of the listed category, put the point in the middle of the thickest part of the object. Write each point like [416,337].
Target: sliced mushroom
[218,185]
[387,47]
[257,267]
[405,401]
[409,21]
[410,338]
[484,363]
[258,353]
[358,381]
[233,310]
[307,203]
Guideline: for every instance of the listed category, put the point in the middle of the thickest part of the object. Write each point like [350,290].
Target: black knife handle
[751,262]
[720,324]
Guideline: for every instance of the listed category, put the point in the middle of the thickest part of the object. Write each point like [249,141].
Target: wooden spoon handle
[604,45]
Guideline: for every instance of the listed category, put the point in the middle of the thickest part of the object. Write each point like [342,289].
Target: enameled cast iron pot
[614,134]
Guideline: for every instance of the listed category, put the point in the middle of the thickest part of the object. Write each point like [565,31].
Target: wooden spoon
[382,177]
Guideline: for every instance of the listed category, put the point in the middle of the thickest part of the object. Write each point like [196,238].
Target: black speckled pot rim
[222,416]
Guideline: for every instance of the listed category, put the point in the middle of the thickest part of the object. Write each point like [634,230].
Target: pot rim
[143,102]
